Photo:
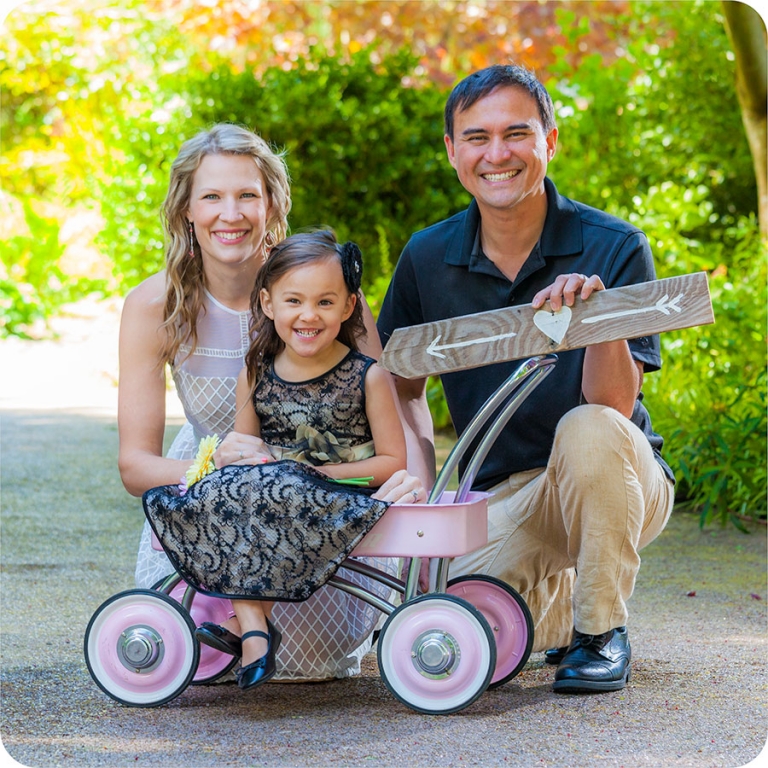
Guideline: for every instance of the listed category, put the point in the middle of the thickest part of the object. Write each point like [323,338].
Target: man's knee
[590,418]
[590,431]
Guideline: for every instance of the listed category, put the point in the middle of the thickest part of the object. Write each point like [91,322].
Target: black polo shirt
[443,273]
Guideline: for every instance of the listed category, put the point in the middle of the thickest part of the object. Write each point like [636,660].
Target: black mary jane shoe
[220,638]
[555,655]
[595,663]
[263,669]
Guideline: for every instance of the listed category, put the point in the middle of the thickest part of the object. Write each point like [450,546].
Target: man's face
[500,150]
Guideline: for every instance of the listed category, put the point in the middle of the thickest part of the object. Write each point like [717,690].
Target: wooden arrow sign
[512,333]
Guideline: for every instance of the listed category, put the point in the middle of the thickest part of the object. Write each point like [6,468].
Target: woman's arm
[246,420]
[387,431]
[419,430]
[141,392]
[412,413]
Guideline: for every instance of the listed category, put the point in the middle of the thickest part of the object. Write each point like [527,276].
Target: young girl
[310,396]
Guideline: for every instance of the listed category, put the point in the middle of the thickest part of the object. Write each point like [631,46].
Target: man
[578,481]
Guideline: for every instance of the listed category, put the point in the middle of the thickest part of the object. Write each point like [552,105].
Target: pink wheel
[508,616]
[140,648]
[436,654]
[213,664]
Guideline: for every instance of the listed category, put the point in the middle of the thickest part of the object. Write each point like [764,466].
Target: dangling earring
[191,240]
[270,239]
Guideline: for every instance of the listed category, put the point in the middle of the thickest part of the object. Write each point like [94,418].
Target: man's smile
[505,176]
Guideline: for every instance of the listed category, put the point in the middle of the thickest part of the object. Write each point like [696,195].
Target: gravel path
[69,534]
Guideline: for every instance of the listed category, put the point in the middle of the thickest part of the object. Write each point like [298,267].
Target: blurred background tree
[98,96]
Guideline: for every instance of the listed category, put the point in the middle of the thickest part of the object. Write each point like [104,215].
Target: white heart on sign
[553,324]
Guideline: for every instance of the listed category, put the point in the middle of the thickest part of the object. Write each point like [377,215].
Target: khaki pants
[601,498]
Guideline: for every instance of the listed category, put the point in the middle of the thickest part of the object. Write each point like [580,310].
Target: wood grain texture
[512,333]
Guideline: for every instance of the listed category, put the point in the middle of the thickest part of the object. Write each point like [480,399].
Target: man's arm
[611,376]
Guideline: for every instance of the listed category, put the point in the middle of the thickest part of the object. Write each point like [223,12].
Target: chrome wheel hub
[140,649]
[435,654]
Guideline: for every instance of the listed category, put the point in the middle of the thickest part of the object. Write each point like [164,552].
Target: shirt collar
[562,227]
[561,235]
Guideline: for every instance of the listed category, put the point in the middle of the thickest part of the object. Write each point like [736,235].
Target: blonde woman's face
[229,208]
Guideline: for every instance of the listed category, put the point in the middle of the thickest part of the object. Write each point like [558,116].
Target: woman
[227,203]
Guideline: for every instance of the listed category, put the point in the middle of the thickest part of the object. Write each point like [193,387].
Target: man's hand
[565,289]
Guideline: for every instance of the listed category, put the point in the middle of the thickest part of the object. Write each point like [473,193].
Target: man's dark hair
[479,84]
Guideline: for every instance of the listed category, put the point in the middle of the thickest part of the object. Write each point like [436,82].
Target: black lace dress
[320,421]
[277,531]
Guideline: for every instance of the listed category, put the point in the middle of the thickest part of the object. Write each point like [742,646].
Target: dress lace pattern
[324,636]
[275,531]
[294,416]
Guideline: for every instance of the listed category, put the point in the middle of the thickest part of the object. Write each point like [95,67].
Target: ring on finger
[415,495]
[240,454]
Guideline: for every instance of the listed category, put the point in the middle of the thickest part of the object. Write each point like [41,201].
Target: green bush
[32,284]
[654,136]
[365,153]
[709,399]
[636,139]
[665,111]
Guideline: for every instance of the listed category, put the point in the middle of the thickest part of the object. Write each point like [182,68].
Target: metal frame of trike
[504,402]
[439,651]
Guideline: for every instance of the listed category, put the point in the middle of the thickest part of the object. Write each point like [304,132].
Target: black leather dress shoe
[555,655]
[595,663]
[263,669]
[219,638]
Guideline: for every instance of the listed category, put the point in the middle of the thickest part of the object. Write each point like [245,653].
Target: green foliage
[709,400]
[365,154]
[80,108]
[32,285]
[653,134]
[656,138]
[666,110]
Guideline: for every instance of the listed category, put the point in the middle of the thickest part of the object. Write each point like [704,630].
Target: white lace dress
[324,636]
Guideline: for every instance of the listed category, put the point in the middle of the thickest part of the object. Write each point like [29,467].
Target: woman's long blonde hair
[185,279]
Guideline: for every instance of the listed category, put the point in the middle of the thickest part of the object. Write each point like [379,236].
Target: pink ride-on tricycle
[437,651]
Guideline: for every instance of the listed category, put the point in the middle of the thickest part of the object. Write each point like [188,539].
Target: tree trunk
[747,33]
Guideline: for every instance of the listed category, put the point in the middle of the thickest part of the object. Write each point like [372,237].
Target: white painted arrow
[433,348]
[662,305]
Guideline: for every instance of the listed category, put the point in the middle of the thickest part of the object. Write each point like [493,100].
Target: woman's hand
[402,488]
[239,448]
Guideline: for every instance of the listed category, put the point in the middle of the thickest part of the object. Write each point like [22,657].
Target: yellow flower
[203,464]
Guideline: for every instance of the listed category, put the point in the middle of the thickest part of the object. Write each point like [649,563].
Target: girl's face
[229,208]
[308,304]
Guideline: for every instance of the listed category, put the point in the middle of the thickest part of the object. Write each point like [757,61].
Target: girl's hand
[402,488]
[239,448]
